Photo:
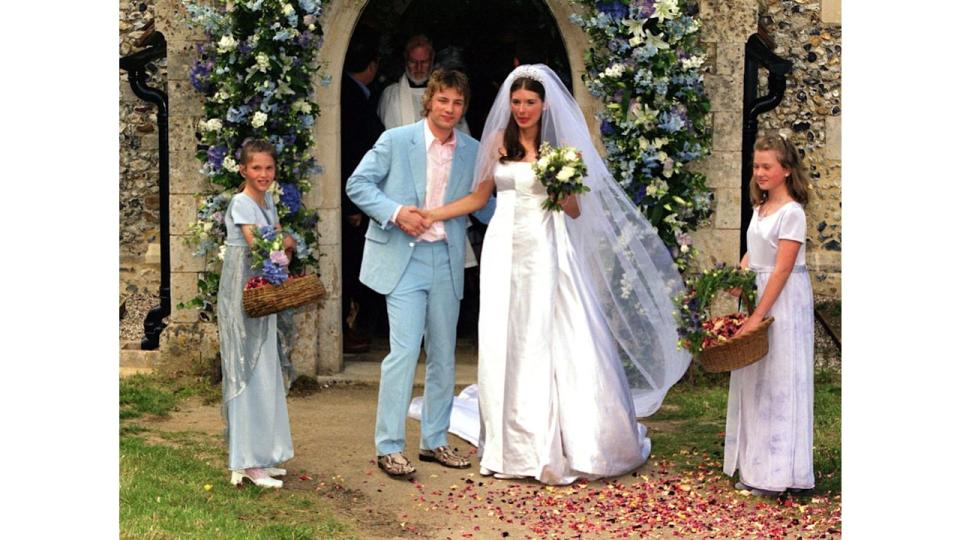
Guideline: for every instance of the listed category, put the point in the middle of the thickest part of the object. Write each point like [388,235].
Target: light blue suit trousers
[423,305]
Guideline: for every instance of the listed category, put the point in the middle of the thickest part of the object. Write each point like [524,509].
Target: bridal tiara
[529,72]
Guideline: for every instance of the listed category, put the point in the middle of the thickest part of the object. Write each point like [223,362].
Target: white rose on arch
[259,119]
[226,44]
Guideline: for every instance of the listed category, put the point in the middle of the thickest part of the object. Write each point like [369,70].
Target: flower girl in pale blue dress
[769,433]
[254,391]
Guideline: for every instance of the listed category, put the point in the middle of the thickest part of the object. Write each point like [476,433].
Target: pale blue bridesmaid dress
[254,390]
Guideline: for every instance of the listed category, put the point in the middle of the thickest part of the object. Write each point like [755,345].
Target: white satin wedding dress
[554,401]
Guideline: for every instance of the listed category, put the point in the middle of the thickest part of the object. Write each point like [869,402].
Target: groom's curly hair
[441,79]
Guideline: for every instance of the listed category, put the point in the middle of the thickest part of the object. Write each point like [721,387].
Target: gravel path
[131,325]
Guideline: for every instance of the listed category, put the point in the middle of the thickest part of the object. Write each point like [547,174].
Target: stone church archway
[339,23]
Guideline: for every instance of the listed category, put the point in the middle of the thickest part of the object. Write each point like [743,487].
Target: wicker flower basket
[293,292]
[737,352]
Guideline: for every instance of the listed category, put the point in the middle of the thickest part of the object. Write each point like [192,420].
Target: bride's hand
[427,215]
[571,206]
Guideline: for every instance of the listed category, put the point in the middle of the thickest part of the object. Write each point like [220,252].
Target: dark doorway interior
[489,37]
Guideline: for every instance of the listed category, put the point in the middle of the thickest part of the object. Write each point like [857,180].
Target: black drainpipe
[135,65]
[759,52]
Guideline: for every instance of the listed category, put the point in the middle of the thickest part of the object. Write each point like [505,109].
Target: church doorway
[486,40]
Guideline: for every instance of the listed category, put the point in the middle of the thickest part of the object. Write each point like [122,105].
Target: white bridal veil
[626,266]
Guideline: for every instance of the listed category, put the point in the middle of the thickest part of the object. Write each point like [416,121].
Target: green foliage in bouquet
[693,305]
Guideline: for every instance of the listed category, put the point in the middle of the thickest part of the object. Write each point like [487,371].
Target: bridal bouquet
[560,170]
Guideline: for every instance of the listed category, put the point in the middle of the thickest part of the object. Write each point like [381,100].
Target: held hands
[427,215]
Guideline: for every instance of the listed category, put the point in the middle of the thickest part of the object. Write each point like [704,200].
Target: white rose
[543,162]
[287,9]
[570,155]
[263,61]
[693,62]
[614,71]
[312,27]
[213,124]
[226,44]
[259,119]
[230,165]
[565,174]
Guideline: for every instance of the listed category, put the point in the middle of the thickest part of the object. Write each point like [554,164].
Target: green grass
[689,427]
[156,395]
[163,479]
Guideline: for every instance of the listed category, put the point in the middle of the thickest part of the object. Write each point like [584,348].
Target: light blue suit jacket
[394,173]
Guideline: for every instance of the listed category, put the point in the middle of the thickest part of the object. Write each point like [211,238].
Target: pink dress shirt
[439,162]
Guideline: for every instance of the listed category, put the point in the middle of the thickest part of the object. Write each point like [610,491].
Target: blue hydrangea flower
[290,197]
[267,232]
[274,273]
[308,5]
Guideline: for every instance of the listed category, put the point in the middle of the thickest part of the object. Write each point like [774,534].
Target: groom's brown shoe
[395,465]
[446,456]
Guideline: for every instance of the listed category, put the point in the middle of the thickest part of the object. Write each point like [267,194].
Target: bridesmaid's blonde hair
[789,158]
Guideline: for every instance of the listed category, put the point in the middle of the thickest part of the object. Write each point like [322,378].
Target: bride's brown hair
[511,136]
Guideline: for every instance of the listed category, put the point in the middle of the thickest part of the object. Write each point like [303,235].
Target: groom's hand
[410,221]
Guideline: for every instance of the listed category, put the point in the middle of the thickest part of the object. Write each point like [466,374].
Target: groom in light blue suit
[420,269]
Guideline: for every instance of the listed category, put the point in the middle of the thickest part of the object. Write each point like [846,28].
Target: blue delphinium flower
[199,75]
[215,155]
[614,8]
[290,197]
[606,128]
[645,8]
[274,273]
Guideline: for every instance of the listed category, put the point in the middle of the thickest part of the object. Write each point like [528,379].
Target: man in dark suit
[359,129]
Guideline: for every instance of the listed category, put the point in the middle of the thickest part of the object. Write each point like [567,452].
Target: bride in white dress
[576,333]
